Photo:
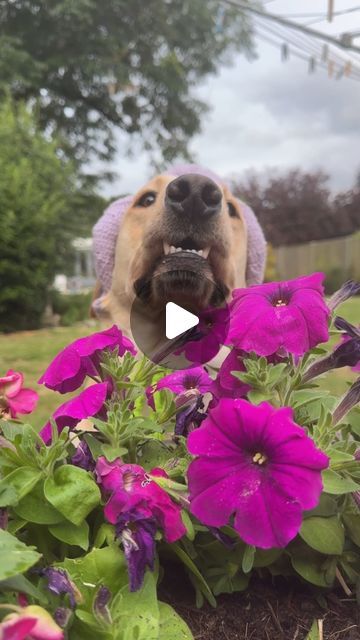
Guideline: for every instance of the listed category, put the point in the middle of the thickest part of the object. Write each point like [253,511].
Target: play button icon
[179,328]
[178,320]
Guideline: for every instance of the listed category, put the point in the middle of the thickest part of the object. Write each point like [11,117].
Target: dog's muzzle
[193,195]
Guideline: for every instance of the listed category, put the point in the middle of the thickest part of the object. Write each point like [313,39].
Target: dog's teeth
[200,252]
[178,249]
[172,249]
[166,248]
[206,252]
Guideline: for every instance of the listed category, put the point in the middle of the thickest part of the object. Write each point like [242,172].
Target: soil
[266,611]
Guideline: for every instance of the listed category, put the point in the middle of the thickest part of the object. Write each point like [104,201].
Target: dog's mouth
[182,273]
[187,246]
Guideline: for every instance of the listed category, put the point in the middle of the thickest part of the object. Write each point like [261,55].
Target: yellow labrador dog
[183,236]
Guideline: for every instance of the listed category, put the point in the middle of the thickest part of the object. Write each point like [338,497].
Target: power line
[343,44]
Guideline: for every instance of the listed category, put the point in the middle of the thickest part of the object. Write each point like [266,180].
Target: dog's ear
[256,247]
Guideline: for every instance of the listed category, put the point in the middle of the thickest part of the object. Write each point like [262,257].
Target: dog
[183,236]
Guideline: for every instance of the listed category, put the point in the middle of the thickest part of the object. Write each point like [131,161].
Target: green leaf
[313,566]
[256,396]
[336,484]
[327,507]
[35,508]
[136,615]
[72,534]
[18,484]
[324,534]
[171,625]
[248,558]
[265,557]
[190,531]
[21,584]
[73,492]
[352,523]
[105,566]
[306,396]
[15,556]
[198,577]
[314,632]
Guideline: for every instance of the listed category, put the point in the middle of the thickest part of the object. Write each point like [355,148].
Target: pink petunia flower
[254,463]
[131,486]
[89,403]
[290,316]
[14,398]
[182,381]
[226,385]
[82,358]
[30,623]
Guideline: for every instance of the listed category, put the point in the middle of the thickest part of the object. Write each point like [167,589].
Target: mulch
[276,610]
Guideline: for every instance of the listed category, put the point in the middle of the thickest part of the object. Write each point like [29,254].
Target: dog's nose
[193,194]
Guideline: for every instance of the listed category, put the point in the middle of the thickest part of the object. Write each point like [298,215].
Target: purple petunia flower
[82,358]
[254,463]
[89,403]
[136,530]
[208,336]
[182,381]
[290,316]
[226,385]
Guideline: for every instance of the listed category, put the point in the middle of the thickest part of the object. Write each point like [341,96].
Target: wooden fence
[338,258]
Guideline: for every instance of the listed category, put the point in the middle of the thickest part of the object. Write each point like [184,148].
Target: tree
[95,65]
[38,218]
[297,206]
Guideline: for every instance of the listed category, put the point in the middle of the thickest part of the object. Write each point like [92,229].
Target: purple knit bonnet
[106,231]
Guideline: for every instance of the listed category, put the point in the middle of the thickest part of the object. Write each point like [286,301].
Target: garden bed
[276,610]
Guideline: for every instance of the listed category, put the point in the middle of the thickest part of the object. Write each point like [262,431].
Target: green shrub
[71,308]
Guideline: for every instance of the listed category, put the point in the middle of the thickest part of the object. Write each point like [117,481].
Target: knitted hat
[106,231]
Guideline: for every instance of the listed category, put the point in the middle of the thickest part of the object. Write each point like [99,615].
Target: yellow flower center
[280,303]
[259,458]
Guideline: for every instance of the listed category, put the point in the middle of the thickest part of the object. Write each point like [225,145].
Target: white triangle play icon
[178,320]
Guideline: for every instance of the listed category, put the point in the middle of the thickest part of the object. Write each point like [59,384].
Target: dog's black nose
[193,194]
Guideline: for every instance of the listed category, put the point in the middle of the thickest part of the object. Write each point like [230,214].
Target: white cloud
[271,114]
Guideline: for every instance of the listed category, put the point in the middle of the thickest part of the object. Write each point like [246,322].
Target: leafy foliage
[95,65]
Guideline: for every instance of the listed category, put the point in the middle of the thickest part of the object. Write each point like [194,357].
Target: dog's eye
[147,199]
[232,210]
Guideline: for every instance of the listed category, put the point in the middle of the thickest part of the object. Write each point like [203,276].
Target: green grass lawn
[31,352]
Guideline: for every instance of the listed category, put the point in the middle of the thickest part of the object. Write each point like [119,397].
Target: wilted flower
[136,529]
[350,400]
[226,385]
[190,417]
[83,457]
[82,358]
[131,486]
[89,403]
[60,584]
[286,316]
[100,606]
[347,354]
[348,290]
[14,398]
[29,623]
[254,463]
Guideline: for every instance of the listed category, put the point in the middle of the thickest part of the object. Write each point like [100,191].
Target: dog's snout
[193,195]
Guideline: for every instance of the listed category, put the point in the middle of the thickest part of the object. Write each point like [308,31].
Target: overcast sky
[269,113]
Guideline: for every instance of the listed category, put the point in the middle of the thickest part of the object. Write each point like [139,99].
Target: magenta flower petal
[15,627]
[226,384]
[289,316]
[131,487]
[254,463]
[24,402]
[89,403]
[13,398]
[82,357]
[179,382]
